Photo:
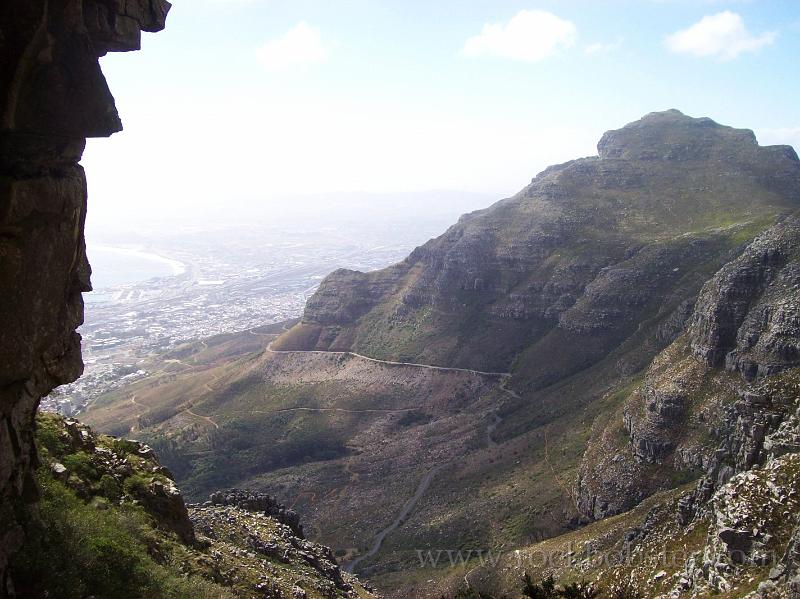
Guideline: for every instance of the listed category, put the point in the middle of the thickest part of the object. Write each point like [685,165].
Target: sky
[260,105]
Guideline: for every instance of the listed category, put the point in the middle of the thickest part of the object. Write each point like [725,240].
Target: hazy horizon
[263,108]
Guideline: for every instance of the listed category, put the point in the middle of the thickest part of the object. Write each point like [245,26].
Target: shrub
[80,464]
[74,550]
[579,590]
[109,488]
[124,447]
[546,589]
[48,435]
[135,485]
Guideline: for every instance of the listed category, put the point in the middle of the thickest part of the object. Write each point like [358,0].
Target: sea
[113,266]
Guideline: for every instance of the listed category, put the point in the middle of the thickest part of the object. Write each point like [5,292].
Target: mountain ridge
[503,277]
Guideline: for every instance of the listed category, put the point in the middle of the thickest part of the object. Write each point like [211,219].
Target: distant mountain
[590,254]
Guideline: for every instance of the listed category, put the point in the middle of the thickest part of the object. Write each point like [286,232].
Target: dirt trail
[426,481]
[206,418]
[344,410]
[138,414]
[390,362]
[399,519]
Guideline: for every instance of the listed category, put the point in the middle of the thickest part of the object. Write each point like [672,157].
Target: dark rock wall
[716,401]
[52,97]
[748,317]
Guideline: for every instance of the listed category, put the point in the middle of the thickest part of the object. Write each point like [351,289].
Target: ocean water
[113,266]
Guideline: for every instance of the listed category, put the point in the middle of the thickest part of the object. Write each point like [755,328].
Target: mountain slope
[720,405]
[573,287]
[112,525]
[746,326]
[578,259]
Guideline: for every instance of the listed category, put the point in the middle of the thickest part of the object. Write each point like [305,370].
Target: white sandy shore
[178,267]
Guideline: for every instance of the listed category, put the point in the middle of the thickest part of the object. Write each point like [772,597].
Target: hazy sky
[251,101]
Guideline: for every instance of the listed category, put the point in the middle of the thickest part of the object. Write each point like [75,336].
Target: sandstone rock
[53,97]
[254,501]
[59,471]
[747,317]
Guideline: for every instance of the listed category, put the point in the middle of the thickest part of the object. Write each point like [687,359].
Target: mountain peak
[672,135]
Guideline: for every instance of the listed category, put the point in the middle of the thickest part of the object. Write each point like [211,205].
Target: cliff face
[711,403]
[720,406]
[53,96]
[747,318]
[589,255]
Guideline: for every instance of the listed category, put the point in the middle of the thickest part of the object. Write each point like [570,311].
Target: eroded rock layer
[707,405]
[52,97]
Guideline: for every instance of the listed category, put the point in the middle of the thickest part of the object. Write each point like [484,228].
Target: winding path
[206,418]
[346,411]
[404,512]
[139,414]
[426,481]
[389,362]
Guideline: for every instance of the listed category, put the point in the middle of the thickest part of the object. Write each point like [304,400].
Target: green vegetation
[88,537]
[78,549]
[547,589]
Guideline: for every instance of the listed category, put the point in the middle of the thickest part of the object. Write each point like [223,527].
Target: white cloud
[531,35]
[722,35]
[602,48]
[302,44]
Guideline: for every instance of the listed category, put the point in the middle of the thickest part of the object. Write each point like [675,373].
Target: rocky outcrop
[713,404]
[254,549]
[594,254]
[247,545]
[53,97]
[254,501]
[114,469]
[748,316]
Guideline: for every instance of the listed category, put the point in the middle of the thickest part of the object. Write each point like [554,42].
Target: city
[235,277]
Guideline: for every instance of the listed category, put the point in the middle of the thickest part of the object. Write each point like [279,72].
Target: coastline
[118,267]
[178,267]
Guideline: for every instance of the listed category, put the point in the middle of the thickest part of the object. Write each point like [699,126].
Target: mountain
[590,254]
[548,363]
[719,405]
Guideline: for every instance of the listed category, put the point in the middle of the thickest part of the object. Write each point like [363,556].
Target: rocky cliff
[747,317]
[53,97]
[710,403]
[699,462]
[593,254]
